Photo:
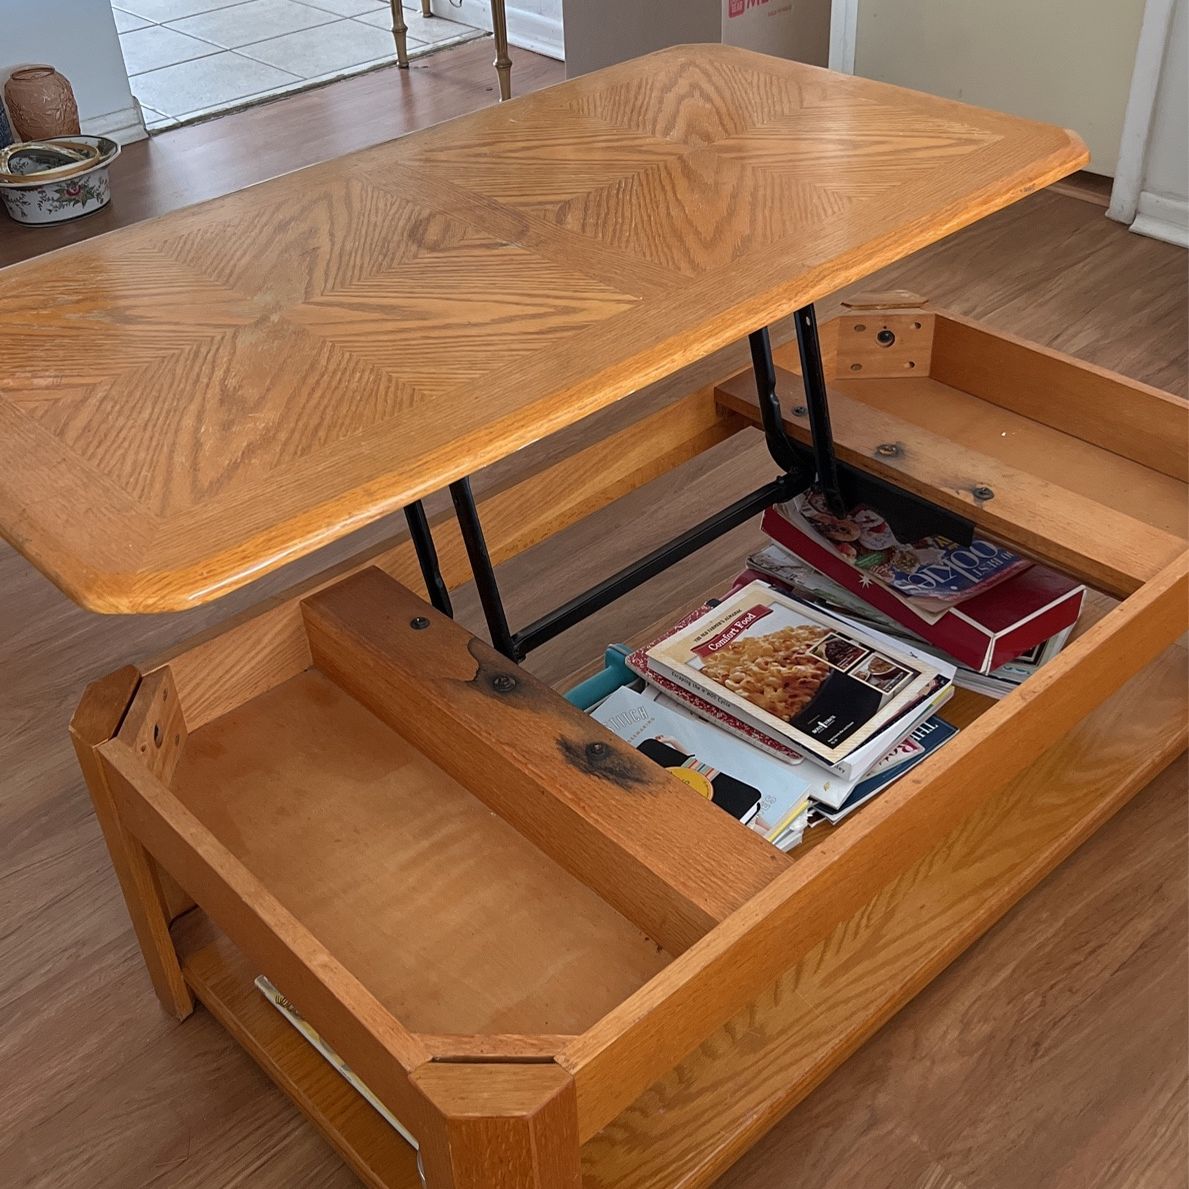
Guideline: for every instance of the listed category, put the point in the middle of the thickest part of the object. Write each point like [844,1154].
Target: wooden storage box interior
[455,921]
[484,924]
[1085,469]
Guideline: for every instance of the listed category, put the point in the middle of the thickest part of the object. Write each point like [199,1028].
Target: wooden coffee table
[553,962]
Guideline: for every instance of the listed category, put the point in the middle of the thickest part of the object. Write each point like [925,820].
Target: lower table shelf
[223,981]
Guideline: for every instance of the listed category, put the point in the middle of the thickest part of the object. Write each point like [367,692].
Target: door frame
[844,24]
[1141,104]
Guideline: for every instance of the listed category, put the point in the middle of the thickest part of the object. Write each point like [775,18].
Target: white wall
[1067,62]
[1163,208]
[77,37]
[532,24]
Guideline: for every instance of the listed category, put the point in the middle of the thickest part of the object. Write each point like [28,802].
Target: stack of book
[815,683]
[782,713]
[789,573]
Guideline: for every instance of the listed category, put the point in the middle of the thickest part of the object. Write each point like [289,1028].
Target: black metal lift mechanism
[843,486]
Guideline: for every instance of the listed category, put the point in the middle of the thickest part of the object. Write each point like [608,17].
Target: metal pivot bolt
[418,623]
[503,683]
[983,493]
[888,450]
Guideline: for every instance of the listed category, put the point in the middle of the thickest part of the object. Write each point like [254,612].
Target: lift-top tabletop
[193,401]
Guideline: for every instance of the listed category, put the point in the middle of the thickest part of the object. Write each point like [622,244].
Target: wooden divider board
[665,857]
[1035,409]
[1088,538]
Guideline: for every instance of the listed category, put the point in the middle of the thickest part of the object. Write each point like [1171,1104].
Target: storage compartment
[454,921]
[1071,464]
[757,1065]
[481,857]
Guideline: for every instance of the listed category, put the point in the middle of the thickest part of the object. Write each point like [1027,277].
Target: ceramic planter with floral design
[53,200]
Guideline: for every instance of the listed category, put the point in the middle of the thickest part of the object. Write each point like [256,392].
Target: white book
[784,785]
[842,695]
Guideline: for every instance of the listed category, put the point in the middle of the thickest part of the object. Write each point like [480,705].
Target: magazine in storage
[797,673]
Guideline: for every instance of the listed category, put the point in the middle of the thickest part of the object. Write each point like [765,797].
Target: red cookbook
[984,631]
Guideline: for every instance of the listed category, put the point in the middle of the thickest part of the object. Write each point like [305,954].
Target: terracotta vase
[41,103]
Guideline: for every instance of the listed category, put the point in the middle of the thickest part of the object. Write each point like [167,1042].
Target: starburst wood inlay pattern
[193,401]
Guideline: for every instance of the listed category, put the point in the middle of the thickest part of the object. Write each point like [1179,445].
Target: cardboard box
[599,34]
[796,29]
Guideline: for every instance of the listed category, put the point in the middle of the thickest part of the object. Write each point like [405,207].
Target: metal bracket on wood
[843,486]
[800,465]
[427,558]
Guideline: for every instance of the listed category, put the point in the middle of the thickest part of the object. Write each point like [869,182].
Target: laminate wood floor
[1052,1055]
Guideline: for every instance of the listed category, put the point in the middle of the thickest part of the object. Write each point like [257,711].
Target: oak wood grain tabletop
[191,402]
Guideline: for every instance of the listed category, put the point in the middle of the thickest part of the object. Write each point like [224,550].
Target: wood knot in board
[492,675]
[597,758]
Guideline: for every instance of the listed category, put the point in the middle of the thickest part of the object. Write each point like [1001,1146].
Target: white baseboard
[527,30]
[124,126]
[1162,216]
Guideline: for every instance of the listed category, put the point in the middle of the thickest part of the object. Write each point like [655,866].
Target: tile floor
[188,59]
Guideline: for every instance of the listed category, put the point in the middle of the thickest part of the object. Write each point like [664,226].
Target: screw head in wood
[800,411]
[419,623]
[888,450]
[596,751]
[983,493]
[503,683]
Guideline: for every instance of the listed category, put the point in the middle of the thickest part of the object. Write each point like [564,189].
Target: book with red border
[984,631]
[860,762]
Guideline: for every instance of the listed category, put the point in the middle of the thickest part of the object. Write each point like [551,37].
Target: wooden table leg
[95,721]
[503,63]
[498,1126]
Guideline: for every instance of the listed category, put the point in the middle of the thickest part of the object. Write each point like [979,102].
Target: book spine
[1047,624]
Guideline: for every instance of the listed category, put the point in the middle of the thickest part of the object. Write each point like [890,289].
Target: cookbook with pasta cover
[795,672]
